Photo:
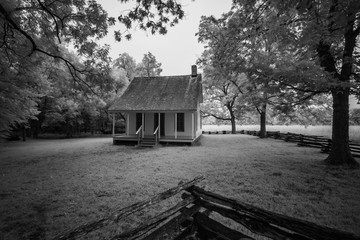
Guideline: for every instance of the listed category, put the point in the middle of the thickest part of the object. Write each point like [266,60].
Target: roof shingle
[172,93]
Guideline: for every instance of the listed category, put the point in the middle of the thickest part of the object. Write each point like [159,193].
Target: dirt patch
[48,186]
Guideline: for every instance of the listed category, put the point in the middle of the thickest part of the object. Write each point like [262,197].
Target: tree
[253,58]
[149,66]
[330,29]
[317,42]
[223,90]
[40,26]
[152,15]
[66,106]
[127,64]
[261,88]
[32,29]
[21,86]
[317,111]
[355,116]
[223,86]
[222,98]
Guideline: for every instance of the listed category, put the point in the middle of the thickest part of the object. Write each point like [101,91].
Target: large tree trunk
[340,152]
[229,106]
[233,124]
[263,121]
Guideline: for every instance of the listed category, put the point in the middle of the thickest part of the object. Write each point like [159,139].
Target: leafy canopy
[34,37]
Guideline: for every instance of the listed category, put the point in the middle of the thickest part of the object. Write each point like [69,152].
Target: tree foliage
[67,106]
[259,58]
[149,66]
[43,81]
[355,116]
[21,86]
[299,49]
[329,30]
[41,26]
[127,64]
[224,90]
[151,15]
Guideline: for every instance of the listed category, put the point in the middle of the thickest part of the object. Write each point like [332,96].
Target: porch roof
[171,93]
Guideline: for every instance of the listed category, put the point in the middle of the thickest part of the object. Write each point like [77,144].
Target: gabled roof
[172,93]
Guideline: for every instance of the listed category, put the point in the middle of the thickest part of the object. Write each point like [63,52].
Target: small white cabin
[160,109]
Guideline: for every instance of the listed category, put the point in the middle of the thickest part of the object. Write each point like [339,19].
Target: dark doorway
[138,120]
[162,123]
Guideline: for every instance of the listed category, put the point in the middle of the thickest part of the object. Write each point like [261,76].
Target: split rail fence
[192,218]
[302,140]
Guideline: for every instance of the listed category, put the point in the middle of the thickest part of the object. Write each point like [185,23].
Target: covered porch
[153,127]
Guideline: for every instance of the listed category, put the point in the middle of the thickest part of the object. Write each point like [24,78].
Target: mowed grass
[319,130]
[50,186]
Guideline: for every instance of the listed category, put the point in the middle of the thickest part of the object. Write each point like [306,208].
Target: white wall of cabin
[187,125]
[169,124]
[149,124]
[199,121]
[132,123]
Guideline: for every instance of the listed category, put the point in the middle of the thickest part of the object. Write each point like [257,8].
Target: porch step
[147,142]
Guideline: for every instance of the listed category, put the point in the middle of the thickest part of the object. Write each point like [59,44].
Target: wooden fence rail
[354,148]
[302,140]
[84,229]
[313,141]
[266,223]
[192,218]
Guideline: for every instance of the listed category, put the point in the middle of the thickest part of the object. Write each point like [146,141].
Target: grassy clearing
[354,131]
[48,186]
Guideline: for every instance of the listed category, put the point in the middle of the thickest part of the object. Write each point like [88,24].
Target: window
[138,120]
[180,122]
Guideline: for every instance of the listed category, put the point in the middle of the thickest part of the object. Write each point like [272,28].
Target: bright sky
[179,48]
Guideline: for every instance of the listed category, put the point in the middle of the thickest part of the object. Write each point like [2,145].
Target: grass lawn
[49,186]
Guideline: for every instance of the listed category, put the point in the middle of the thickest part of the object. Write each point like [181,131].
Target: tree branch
[301,89]
[15,26]
[53,17]
[77,78]
[237,86]
[4,37]
[35,48]
[203,114]
[257,108]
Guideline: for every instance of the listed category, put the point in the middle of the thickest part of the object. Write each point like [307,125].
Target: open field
[325,131]
[48,186]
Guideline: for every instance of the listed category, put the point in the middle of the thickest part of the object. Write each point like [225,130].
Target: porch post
[175,127]
[113,125]
[192,125]
[142,124]
[127,124]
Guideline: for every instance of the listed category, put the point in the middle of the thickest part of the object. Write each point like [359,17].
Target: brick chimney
[193,71]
